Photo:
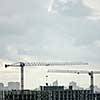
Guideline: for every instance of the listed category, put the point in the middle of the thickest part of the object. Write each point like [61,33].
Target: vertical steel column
[92,84]
[22,77]
[22,80]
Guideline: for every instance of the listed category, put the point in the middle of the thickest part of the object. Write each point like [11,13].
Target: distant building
[13,85]
[55,83]
[74,85]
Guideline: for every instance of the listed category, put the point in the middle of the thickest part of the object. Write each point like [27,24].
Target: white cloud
[95,7]
[29,33]
[97,43]
[12,50]
[68,8]
[50,6]
[93,4]
[80,7]
[94,17]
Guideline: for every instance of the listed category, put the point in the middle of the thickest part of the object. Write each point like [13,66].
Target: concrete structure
[1,86]
[13,85]
[52,88]
[1,95]
[50,93]
[97,96]
[6,88]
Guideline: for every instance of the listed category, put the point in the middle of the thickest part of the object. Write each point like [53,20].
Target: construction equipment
[90,73]
[23,64]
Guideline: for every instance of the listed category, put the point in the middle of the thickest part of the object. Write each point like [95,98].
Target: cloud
[94,16]
[31,31]
[8,8]
[51,37]
[50,6]
[77,8]
[97,43]
[95,7]
[93,4]
[69,8]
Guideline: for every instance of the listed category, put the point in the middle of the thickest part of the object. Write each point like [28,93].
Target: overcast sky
[49,29]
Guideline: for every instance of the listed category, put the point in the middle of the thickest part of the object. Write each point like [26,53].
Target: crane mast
[21,65]
[22,77]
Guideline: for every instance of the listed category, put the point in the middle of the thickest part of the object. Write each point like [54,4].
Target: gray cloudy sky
[50,29]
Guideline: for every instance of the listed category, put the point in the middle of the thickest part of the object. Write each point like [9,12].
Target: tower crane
[90,73]
[23,64]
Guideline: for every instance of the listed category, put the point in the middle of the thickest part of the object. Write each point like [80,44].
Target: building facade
[13,85]
[50,93]
[1,86]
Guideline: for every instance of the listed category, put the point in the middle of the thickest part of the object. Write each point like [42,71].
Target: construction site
[49,92]
[46,40]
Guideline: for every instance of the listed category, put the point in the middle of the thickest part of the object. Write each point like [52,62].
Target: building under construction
[50,93]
